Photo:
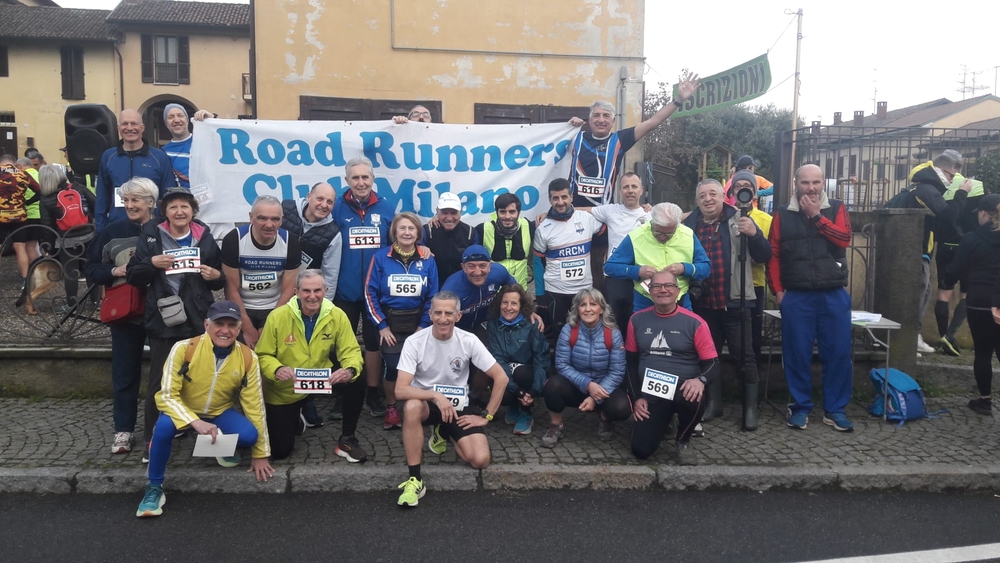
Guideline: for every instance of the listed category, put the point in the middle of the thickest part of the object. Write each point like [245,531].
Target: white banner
[235,161]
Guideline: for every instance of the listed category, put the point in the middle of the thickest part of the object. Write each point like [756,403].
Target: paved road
[537,526]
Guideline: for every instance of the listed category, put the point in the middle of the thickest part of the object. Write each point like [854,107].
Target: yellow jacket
[283,342]
[763,222]
[206,391]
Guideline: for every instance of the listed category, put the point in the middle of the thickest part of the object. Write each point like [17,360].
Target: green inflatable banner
[739,84]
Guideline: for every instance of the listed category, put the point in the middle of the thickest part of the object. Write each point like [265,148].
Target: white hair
[665,215]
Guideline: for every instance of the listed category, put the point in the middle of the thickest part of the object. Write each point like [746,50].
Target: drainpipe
[121,79]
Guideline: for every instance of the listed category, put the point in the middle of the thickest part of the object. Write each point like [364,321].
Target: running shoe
[375,405]
[350,449]
[982,405]
[123,443]
[310,417]
[838,421]
[413,491]
[949,347]
[686,454]
[798,420]
[605,429]
[152,502]
[230,461]
[145,452]
[923,346]
[513,415]
[391,418]
[552,435]
[436,443]
[524,423]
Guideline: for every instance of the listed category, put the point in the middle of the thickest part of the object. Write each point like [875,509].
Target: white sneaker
[923,346]
[123,443]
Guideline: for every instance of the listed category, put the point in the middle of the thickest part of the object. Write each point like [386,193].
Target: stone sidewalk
[63,446]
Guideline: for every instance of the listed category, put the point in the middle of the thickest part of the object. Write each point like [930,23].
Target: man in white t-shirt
[563,241]
[621,219]
[433,379]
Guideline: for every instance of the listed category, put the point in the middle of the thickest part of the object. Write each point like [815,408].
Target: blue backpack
[906,398]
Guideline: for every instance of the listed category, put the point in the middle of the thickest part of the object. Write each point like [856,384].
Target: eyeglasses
[663,286]
[420,114]
[660,235]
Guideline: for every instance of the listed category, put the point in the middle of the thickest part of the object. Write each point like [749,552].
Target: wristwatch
[678,103]
[703,379]
[487,415]
[354,372]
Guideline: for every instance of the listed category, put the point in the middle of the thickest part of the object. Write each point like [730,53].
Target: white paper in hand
[224,446]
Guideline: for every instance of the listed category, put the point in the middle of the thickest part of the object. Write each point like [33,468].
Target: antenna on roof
[966,86]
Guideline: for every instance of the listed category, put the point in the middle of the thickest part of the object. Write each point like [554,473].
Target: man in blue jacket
[132,157]
[364,219]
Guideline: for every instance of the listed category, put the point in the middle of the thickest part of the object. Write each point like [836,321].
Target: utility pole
[795,105]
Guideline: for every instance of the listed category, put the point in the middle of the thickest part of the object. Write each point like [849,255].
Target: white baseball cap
[449,200]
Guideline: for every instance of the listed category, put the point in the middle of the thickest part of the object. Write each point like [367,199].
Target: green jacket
[283,343]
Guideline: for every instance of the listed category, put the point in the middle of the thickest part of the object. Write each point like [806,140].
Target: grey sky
[911,52]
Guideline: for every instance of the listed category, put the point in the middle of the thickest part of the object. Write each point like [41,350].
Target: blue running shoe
[838,421]
[524,423]
[152,503]
[798,420]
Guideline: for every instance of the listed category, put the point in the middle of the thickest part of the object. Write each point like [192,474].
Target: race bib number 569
[659,384]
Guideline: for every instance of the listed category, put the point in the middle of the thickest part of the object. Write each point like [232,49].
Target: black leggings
[647,434]
[986,340]
[560,393]
[523,376]
[283,420]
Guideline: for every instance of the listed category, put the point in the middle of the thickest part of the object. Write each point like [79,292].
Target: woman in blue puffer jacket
[521,350]
[590,366]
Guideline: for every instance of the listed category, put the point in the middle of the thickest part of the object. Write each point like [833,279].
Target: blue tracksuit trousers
[823,317]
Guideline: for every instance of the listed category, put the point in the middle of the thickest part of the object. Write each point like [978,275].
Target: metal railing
[866,166]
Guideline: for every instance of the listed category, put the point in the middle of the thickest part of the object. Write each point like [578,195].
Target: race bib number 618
[313,381]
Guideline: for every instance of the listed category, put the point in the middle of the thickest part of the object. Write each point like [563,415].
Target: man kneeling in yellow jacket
[295,348]
[202,379]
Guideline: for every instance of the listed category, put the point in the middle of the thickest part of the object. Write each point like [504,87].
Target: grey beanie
[169,107]
[744,175]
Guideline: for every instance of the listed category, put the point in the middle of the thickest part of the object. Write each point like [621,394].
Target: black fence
[866,166]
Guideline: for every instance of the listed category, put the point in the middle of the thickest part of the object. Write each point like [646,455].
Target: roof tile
[43,22]
[187,13]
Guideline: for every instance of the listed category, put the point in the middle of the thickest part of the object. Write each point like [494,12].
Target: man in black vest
[310,219]
[447,236]
[808,272]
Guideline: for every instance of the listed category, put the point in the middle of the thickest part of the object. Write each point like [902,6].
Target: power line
[783,32]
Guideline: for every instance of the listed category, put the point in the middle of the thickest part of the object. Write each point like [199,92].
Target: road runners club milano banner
[233,162]
[739,84]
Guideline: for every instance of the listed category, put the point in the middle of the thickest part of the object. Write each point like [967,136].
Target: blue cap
[224,309]
[476,253]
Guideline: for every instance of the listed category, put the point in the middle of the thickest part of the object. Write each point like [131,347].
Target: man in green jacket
[295,350]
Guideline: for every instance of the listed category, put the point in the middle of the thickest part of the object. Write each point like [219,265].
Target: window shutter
[4,68]
[147,58]
[66,64]
[183,61]
[77,73]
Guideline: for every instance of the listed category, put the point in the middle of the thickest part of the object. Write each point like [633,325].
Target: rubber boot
[750,407]
[713,404]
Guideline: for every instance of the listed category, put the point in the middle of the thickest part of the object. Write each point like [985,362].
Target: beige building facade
[489,61]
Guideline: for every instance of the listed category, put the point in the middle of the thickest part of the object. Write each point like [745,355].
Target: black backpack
[899,201]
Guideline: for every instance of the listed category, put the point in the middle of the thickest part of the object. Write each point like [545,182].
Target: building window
[72,72]
[853,166]
[506,113]
[321,108]
[166,59]
[829,168]
[4,68]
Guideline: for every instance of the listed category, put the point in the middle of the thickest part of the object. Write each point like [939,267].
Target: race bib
[202,194]
[364,238]
[659,384]
[573,270]
[590,186]
[119,202]
[186,261]
[404,285]
[306,260]
[459,396]
[259,282]
[313,381]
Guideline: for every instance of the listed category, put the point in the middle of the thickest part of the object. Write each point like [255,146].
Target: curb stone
[750,478]
[36,480]
[925,477]
[535,476]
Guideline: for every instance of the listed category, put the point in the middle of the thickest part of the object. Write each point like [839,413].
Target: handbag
[123,302]
[171,310]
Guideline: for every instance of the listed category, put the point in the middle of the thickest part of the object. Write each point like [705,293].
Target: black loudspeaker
[91,129]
